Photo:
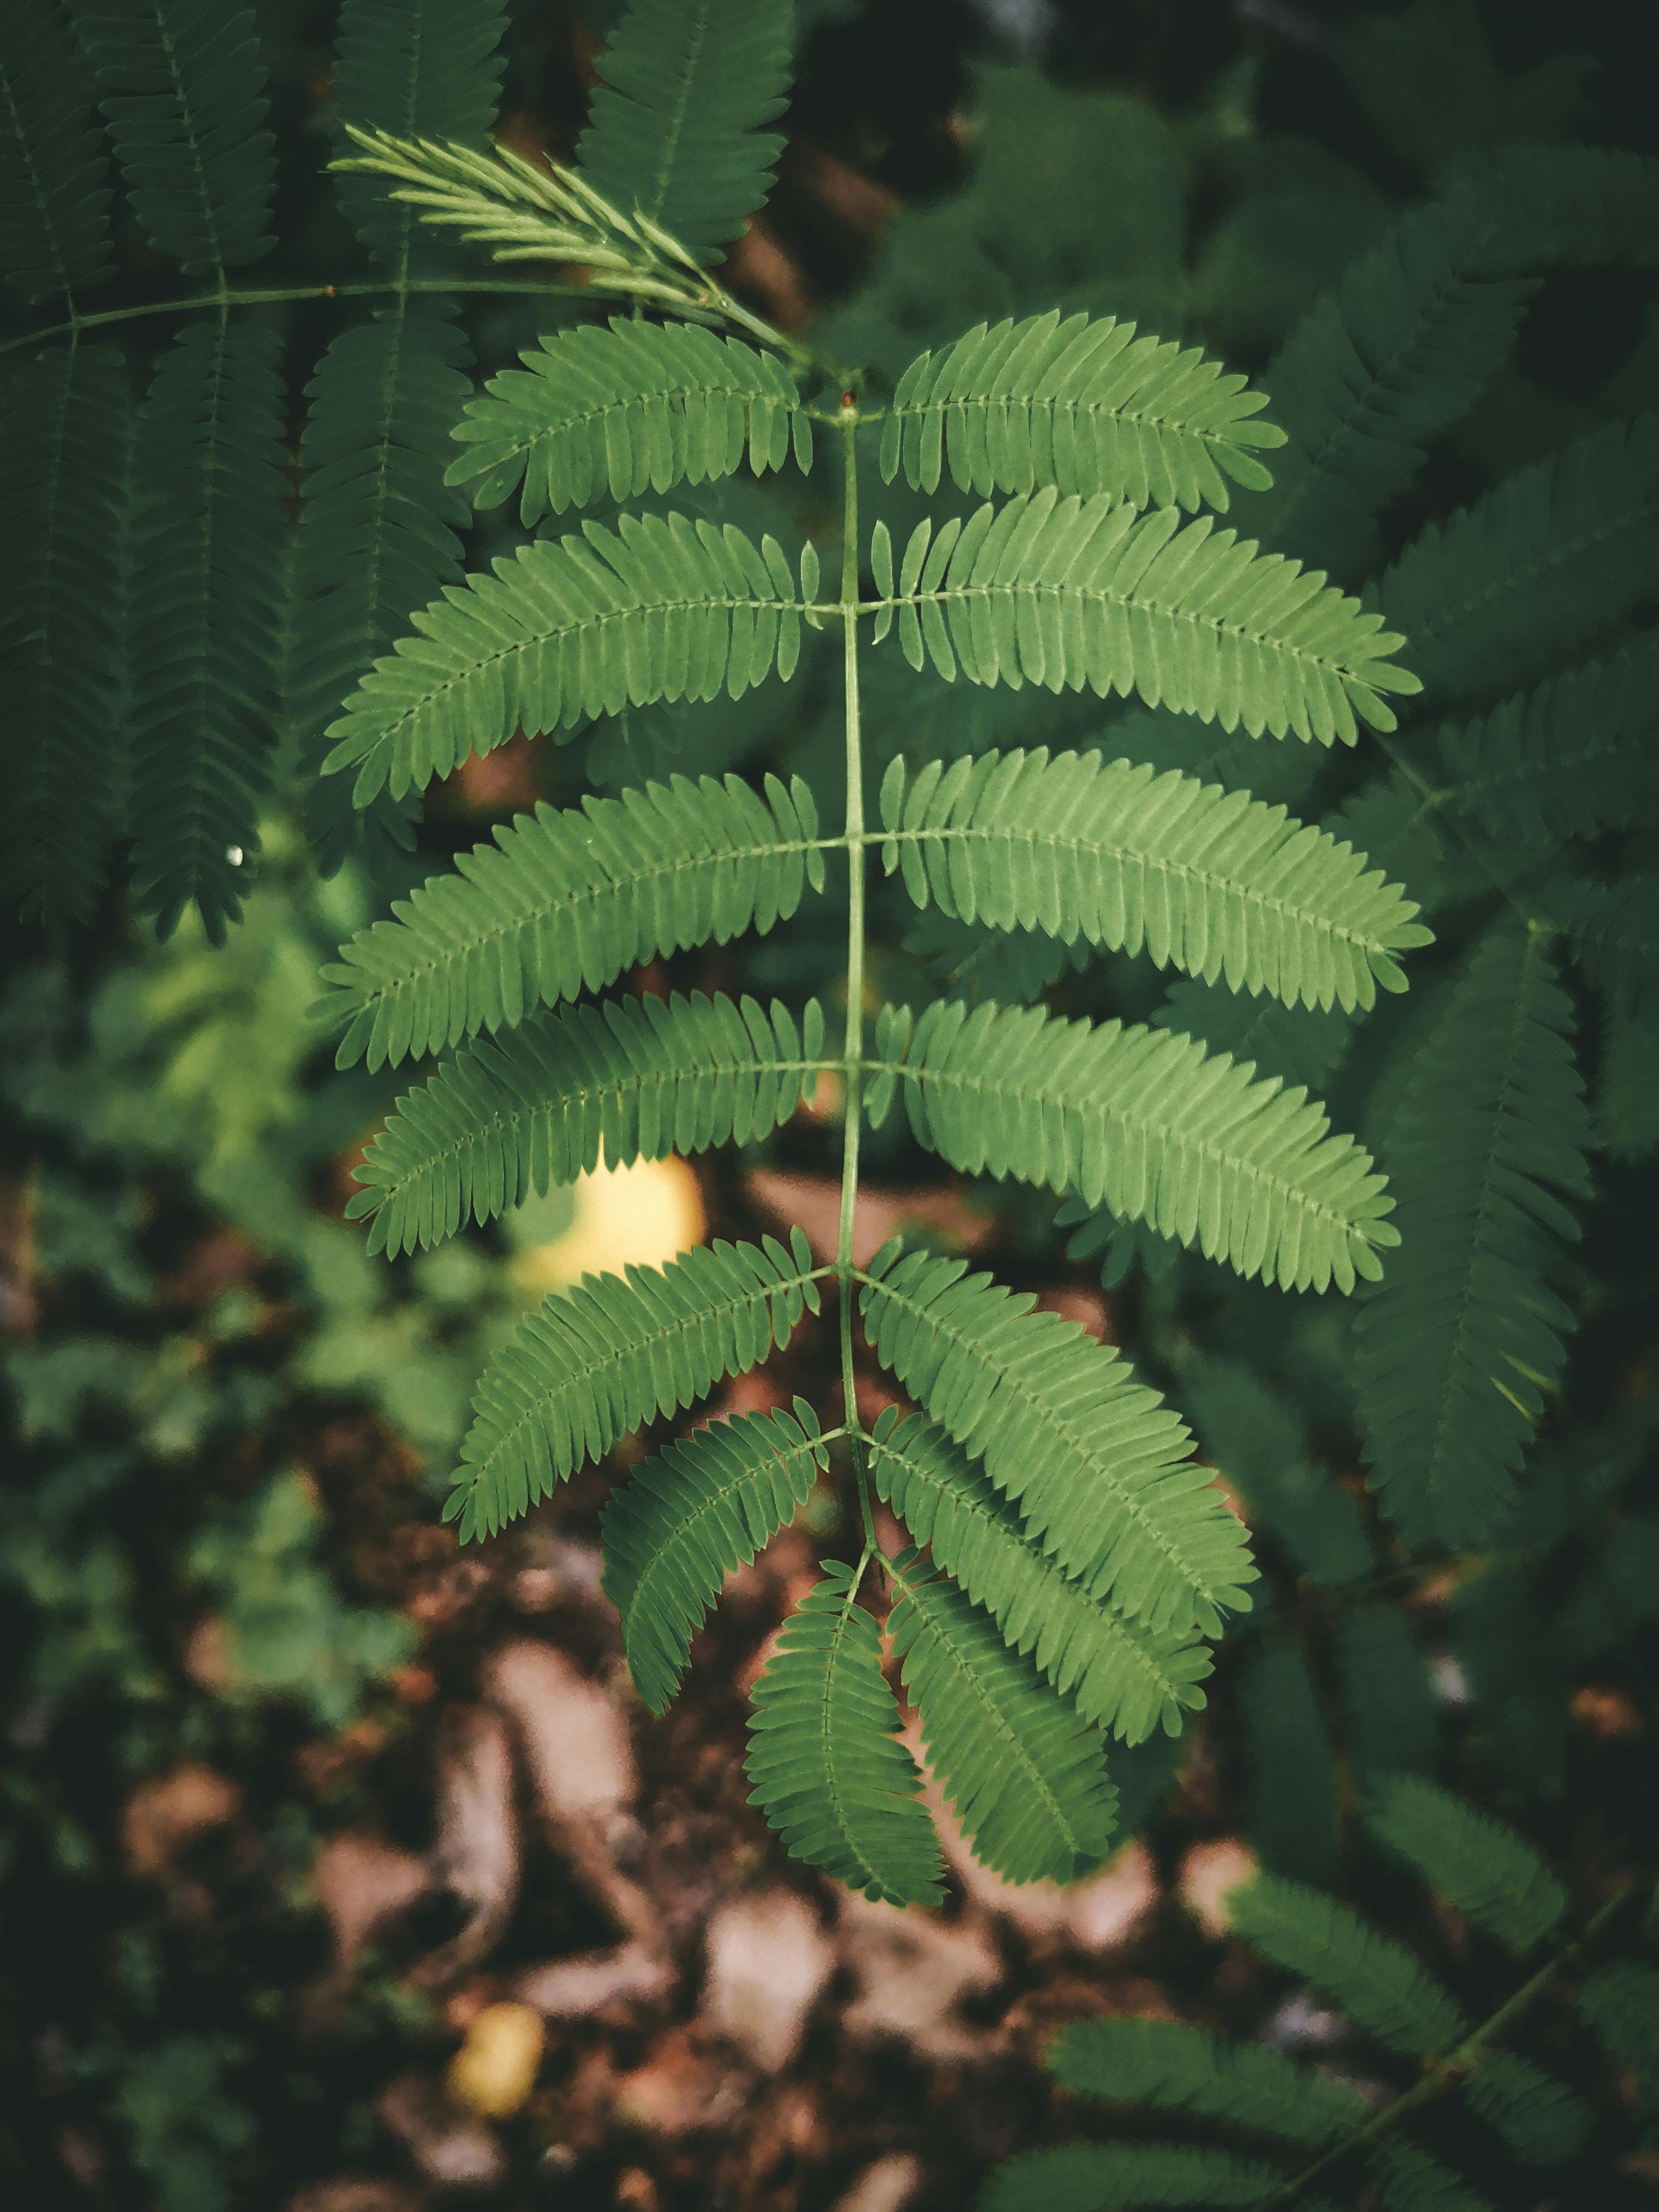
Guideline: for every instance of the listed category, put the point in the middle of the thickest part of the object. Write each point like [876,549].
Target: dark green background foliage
[255,416]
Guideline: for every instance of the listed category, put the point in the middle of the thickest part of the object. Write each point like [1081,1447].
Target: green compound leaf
[1083,405]
[1455,1350]
[1147,1122]
[1101,2177]
[183,85]
[1365,1974]
[1114,1670]
[634,1079]
[685,87]
[827,1769]
[1189,2069]
[693,1515]
[1098,1466]
[1480,1865]
[595,1363]
[662,608]
[1025,1779]
[1208,881]
[638,407]
[565,902]
[1064,592]
[54,187]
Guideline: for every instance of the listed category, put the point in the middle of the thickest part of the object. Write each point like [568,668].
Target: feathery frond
[1481,1866]
[65,430]
[207,543]
[377,530]
[823,1756]
[1198,878]
[54,193]
[1538,2117]
[1613,929]
[635,407]
[1299,1044]
[1408,2180]
[1125,2061]
[691,1517]
[563,902]
[675,128]
[1379,367]
[1145,1122]
[1067,592]
[595,1363]
[662,608]
[1086,2177]
[635,1080]
[1456,1348]
[1575,754]
[1365,1974]
[1253,1436]
[1551,560]
[1621,2004]
[1114,1671]
[422,68]
[183,85]
[1025,1779]
[1097,1463]
[1081,405]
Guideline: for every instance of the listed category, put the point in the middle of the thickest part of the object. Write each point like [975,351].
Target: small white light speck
[234,854]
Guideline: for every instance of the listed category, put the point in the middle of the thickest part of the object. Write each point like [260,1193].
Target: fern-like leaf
[638,407]
[595,1363]
[418,69]
[1365,1973]
[1097,1465]
[1145,1122]
[1025,1779]
[1207,881]
[1455,1350]
[1480,1865]
[1114,1671]
[1572,755]
[690,1518]
[1614,928]
[1553,559]
[1409,2180]
[184,87]
[565,902]
[207,543]
[54,192]
[1379,367]
[1085,2177]
[1189,2069]
[674,132]
[1081,405]
[1254,1435]
[377,532]
[635,1079]
[65,428]
[1065,593]
[662,608]
[1538,2117]
[1621,2004]
[827,1768]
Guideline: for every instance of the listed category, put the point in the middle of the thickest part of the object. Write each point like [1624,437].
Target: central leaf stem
[854,1055]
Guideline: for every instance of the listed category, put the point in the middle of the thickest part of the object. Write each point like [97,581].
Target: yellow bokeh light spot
[495,2069]
[640,1216]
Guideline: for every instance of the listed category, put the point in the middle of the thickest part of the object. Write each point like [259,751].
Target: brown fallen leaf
[767,1961]
[361,1882]
[163,1818]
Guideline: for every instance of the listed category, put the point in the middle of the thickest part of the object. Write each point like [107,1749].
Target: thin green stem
[1457,2062]
[254,295]
[853,1053]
